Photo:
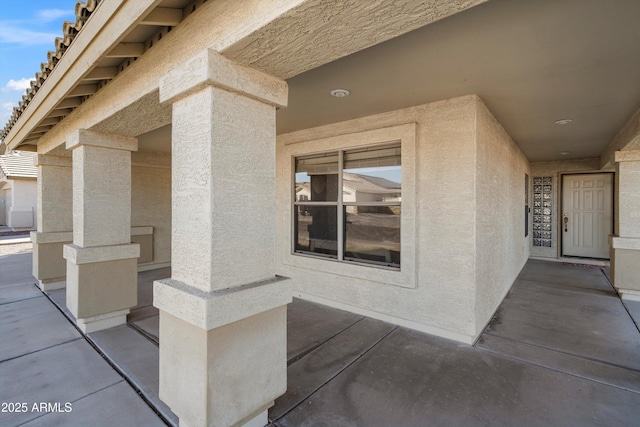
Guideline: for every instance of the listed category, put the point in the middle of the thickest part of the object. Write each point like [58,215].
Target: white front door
[587,218]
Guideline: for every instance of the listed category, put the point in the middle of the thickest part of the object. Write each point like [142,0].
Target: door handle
[566,221]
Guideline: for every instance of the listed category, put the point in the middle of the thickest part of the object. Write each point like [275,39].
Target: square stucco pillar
[625,245]
[102,275]
[223,312]
[55,221]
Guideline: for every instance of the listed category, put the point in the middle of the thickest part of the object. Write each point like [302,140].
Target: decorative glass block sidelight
[542,218]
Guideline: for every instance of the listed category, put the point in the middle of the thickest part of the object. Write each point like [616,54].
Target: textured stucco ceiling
[532,62]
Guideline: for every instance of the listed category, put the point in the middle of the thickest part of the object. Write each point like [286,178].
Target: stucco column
[102,272]
[625,245]
[55,221]
[223,312]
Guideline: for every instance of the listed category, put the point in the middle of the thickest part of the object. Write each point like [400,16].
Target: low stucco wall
[443,293]
[151,200]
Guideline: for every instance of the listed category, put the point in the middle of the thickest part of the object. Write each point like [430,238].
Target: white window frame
[406,275]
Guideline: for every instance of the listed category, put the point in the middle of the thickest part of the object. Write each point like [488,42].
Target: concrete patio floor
[561,350]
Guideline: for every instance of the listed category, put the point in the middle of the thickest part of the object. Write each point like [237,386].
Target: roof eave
[107,25]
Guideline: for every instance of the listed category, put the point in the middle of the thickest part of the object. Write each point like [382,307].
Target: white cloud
[16,34]
[48,15]
[7,106]
[21,84]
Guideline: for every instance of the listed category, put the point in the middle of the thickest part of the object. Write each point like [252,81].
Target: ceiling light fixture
[340,93]
[563,121]
[564,153]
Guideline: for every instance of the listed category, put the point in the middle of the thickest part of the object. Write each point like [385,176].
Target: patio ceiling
[532,62]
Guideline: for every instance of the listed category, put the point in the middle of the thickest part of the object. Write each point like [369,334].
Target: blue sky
[28,29]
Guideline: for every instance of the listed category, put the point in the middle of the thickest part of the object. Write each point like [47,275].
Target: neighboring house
[485,133]
[364,188]
[18,190]
[303,191]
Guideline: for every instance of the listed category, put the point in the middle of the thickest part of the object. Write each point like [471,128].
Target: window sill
[347,261]
[370,272]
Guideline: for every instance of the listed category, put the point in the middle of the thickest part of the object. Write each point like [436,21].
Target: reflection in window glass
[317,178]
[372,175]
[372,234]
[315,230]
[360,223]
[372,185]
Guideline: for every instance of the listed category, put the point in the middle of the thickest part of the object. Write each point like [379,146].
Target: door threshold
[576,260]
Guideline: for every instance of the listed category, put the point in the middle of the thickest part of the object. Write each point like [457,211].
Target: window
[347,205]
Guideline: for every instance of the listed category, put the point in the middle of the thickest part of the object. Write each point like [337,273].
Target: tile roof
[19,164]
[69,31]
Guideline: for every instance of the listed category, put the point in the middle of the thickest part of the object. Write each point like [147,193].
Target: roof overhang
[93,50]
[113,65]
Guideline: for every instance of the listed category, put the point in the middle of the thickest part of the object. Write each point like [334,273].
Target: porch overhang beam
[50,121]
[71,102]
[41,129]
[60,112]
[126,50]
[163,17]
[102,73]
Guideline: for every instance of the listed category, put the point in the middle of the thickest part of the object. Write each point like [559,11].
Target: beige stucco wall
[3,204]
[5,195]
[25,192]
[625,253]
[501,247]
[440,295]
[627,138]
[151,201]
[21,205]
[555,169]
